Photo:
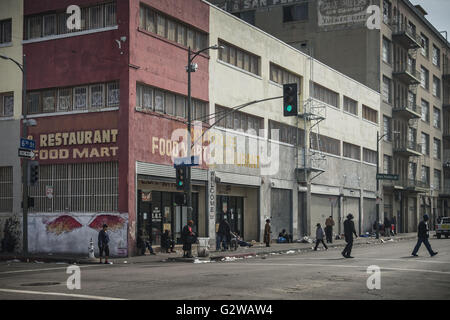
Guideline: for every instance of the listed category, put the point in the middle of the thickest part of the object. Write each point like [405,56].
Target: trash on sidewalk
[305,239]
[290,252]
[15,260]
[201,261]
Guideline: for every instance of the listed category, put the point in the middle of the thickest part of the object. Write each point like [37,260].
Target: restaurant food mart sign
[332,14]
[241,5]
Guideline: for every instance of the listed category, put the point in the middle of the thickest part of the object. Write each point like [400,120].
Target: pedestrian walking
[387,227]
[329,224]
[422,237]
[267,233]
[319,237]
[188,238]
[349,231]
[103,243]
[224,235]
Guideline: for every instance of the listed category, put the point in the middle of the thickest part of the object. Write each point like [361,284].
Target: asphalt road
[311,275]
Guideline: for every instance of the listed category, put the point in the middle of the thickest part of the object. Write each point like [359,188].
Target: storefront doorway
[157,212]
[232,209]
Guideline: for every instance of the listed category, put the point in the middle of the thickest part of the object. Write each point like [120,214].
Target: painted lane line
[335,266]
[59,294]
[377,259]
[47,269]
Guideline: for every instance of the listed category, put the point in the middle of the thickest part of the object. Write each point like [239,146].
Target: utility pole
[378,188]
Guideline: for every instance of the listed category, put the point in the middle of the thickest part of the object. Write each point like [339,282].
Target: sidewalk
[257,250]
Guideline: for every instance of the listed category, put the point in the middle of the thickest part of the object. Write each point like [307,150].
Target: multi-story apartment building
[11,26]
[403,58]
[110,105]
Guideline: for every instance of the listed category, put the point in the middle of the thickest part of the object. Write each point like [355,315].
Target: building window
[425,45]
[286,133]
[369,156]
[425,144]
[49,100]
[412,171]
[6,104]
[325,144]
[426,175]
[424,78]
[436,58]
[81,187]
[97,93]
[387,164]
[436,118]
[239,120]
[325,95]
[436,90]
[239,58]
[437,180]
[298,12]
[387,50]
[283,76]
[152,99]
[425,111]
[6,189]
[350,105]
[6,31]
[437,149]
[412,134]
[370,114]
[95,17]
[73,99]
[387,129]
[387,9]
[352,151]
[386,90]
[171,29]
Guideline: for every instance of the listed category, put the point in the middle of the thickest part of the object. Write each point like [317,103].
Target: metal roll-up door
[351,205]
[280,211]
[370,214]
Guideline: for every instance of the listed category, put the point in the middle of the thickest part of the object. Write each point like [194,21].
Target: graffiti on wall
[72,232]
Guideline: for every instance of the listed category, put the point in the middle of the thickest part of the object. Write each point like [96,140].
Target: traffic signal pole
[24,163]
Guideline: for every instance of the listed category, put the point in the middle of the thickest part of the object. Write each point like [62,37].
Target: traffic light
[181,175]
[290,100]
[33,172]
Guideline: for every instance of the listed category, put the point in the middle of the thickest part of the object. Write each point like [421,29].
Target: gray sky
[438,13]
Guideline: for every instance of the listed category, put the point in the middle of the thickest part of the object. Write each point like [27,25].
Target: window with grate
[286,133]
[6,104]
[82,187]
[351,151]
[350,105]
[325,95]
[238,120]
[387,164]
[369,156]
[282,76]
[239,58]
[369,114]
[6,189]
[325,144]
[49,101]
[6,31]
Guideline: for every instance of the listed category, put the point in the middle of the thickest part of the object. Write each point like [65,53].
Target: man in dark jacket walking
[224,233]
[103,243]
[349,231]
[422,236]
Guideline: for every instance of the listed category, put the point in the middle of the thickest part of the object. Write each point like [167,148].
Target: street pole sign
[193,161]
[383,176]
[27,144]
[25,153]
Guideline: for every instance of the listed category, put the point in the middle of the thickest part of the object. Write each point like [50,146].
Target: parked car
[443,228]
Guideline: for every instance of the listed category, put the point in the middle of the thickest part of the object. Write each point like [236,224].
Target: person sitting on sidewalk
[284,237]
[166,242]
[241,241]
[146,242]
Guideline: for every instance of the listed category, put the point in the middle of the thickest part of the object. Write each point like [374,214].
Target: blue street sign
[27,144]
[194,161]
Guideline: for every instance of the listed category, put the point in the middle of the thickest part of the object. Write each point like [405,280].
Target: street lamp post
[192,68]
[22,68]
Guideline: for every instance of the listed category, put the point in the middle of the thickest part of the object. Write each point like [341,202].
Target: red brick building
[107,99]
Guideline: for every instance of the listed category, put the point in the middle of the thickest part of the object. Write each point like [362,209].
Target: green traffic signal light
[290,100]
[289,108]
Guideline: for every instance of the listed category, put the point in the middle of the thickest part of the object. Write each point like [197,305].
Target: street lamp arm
[195,54]
[17,63]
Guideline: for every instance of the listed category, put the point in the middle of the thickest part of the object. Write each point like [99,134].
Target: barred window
[283,76]
[370,114]
[436,148]
[425,111]
[74,99]
[94,17]
[6,31]
[352,151]
[171,29]
[425,143]
[6,104]
[152,99]
[81,187]
[369,156]
[436,118]
[287,133]
[325,95]
[350,105]
[237,120]
[325,144]
[244,60]
[437,180]
[387,164]
[6,189]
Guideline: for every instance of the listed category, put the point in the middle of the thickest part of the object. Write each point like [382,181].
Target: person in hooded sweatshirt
[319,237]
[422,236]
